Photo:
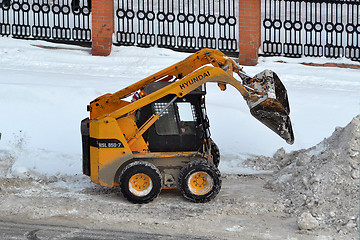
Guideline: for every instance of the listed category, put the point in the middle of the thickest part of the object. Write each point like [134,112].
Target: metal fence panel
[184,25]
[55,20]
[316,28]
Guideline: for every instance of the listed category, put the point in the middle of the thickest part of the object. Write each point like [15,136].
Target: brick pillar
[102,26]
[249,31]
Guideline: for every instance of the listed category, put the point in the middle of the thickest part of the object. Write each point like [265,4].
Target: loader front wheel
[140,182]
[199,181]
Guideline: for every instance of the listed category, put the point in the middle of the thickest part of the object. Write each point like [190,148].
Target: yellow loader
[160,139]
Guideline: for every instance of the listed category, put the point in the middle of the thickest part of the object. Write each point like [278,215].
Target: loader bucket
[269,103]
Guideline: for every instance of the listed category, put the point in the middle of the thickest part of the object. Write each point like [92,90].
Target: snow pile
[8,156]
[18,159]
[6,162]
[322,181]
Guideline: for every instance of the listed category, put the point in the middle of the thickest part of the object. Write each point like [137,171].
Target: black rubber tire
[195,167]
[215,152]
[140,168]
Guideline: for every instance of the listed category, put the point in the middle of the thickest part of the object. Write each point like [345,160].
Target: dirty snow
[321,182]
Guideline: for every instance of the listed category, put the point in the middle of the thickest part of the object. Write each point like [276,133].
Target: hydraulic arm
[265,94]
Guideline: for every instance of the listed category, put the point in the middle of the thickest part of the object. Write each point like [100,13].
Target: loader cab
[182,127]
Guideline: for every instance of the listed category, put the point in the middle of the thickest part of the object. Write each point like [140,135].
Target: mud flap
[269,103]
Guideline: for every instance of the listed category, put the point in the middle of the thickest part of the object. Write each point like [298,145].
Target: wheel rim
[200,183]
[140,184]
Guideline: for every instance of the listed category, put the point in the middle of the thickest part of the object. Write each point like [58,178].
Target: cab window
[187,117]
[167,123]
[178,119]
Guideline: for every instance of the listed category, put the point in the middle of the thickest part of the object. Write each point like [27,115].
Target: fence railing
[291,28]
[184,25]
[56,20]
[315,28]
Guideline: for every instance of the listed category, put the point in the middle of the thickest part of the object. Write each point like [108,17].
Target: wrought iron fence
[184,25]
[55,20]
[315,28]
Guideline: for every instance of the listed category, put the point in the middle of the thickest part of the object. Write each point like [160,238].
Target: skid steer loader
[161,139]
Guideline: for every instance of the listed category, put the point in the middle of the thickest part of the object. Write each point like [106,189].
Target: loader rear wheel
[199,181]
[140,182]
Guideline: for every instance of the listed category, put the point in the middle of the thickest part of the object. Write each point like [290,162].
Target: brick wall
[249,31]
[102,26]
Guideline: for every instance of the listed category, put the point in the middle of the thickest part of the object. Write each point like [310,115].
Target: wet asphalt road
[24,231]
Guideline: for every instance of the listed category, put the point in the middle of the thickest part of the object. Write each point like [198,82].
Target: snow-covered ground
[44,93]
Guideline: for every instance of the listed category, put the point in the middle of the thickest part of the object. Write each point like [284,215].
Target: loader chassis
[161,138]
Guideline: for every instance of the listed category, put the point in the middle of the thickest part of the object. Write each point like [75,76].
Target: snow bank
[322,181]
